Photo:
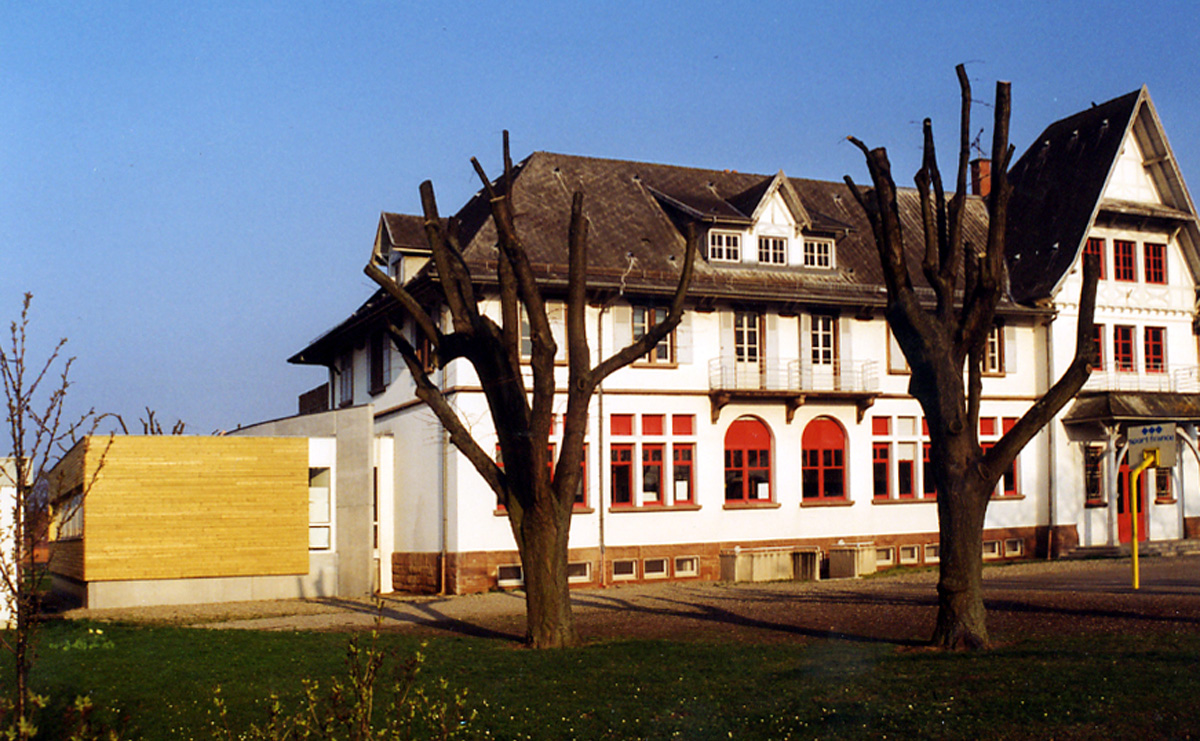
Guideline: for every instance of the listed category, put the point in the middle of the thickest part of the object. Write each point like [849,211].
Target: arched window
[748,461]
[823,458]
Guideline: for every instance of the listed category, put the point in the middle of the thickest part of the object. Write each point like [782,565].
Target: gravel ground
[1042,598]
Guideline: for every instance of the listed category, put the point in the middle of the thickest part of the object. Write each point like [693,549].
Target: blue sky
[190,190]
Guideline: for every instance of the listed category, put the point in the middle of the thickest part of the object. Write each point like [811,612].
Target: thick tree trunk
[542,540]
[961,619]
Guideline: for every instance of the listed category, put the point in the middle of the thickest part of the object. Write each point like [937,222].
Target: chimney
[981,177]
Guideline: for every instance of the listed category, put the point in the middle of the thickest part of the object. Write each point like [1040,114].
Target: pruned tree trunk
[539,504]
[944,339]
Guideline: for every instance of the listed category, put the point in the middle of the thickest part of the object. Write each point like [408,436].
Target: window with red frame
[747,461]
[1123,260]
[621,468]
[881,458]
[621,424]
[1095,246]
[823,461]
[652,424]
[1123,349]
[683,456]
[581,490]
[1156,354]
[652,473]
[1154,261]
[1098,352]
[1008,482]
[928,483]
[905,471]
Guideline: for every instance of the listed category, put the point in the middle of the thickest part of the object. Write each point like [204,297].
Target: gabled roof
[1059,184]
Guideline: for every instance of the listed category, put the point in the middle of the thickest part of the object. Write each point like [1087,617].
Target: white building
[777,415]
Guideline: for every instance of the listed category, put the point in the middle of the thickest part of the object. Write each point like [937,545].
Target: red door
[1124,514]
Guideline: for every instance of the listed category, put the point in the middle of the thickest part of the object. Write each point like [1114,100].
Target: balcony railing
[792,376]
[1180,380]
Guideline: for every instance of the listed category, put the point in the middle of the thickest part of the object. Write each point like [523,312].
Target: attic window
[724,246]
[818,253]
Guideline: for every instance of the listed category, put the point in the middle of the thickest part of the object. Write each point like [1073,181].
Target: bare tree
[538,503]
[968,282]
[37,432]
[150,425]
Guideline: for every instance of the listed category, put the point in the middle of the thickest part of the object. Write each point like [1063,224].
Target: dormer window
[818,253]
[772,250]
[724,246]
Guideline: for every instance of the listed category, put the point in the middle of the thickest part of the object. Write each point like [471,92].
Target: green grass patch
[160,681]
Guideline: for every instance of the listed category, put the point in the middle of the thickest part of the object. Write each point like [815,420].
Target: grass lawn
[161,680]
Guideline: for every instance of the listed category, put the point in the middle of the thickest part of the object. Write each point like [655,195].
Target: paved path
[1034,597]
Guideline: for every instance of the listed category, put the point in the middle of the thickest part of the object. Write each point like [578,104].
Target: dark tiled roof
[1057,184]
[405,231]
[636,212]
[629,221]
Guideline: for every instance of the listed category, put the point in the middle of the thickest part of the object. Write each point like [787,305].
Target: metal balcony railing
[727,374]
[1184,379]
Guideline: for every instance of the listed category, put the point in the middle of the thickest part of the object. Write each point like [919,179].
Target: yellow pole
[1149,458]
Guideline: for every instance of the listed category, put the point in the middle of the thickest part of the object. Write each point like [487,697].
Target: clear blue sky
[190,190]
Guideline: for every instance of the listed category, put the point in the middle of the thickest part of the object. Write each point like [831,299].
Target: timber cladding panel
[172,507]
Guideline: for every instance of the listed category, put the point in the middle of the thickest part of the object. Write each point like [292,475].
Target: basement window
[885,556]
[991,549]
[933,553]
[579,572]
[510,575]
[655,568]
[1014,547]
[910,554]
[687,566]
[624,569]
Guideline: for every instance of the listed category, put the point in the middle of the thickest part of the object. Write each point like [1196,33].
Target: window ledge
[656,508]
[500,512]
[1008,498]
[664,365]
[1172,500]
[1095,504]
[912,500]
[751,505]
[826,503]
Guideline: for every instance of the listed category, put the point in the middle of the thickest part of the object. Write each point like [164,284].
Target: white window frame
[641,323]
[993,352]
[819,253]
[687,566]
[885,556]
[320,528]
[1014,547]
[933,552]
[772,250]
[515,577]
[910,554]
[824,340]
[625,563]
[724,246]
[579,578]
[992,550]
[662,573]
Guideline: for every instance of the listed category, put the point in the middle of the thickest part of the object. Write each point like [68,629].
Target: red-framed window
[1095,246]
[683,460]
[906,484]
[1156,352]
[987,426]
[747,461]
[683,424]
[823,461]
[1154,262]
[881,465]
[1123,359]
[1098,353]
[652,424]
[621,424]
[1123,260]
[652,473]
[928,482]
[881,425]
[1093,474]
[1008,482]
[621,471]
